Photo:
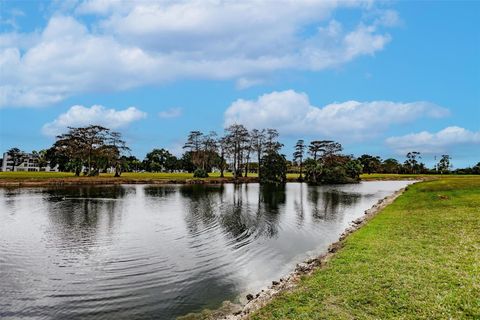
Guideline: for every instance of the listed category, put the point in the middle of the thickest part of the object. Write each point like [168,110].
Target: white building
[29,162]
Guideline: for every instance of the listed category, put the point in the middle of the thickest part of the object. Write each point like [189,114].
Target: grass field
[417,259]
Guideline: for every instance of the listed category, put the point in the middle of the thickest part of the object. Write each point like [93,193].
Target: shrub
[200,173]
[340,169]
[274,169]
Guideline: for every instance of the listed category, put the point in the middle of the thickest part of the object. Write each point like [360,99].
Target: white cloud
[170,113]
[293,114]
[430,143]
[78,116]
[138,43]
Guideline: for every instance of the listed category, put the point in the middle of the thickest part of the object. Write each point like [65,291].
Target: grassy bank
[125,177]
[182,175]
[417,259]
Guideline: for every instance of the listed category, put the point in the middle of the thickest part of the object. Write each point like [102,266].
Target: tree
[237,137]
[209,150]
[91,146]
[186,162]
[156,160]
[314,148]
[17,156]
[476,169]
[300,148]
[370,163]
[257,138]
[391,166]
[194,146]
[274,169]
[223,147]
[42,159]
[116,147]
[444,164]
[271,143]
[329,166]
[412,164]
[324,148]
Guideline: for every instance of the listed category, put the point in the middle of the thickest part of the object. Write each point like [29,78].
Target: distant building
[29,162]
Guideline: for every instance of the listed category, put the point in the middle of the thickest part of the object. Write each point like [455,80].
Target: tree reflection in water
[327,203]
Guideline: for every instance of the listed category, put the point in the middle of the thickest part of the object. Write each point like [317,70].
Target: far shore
[55,179]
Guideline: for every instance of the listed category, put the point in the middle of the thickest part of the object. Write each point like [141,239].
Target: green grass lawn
[417,259]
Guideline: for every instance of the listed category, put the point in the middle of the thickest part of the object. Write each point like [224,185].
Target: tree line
[93,149]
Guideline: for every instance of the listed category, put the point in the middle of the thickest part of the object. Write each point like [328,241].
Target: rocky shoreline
[230,311]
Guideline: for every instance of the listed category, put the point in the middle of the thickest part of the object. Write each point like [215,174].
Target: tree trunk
[246,164]
[222,160]
[118,171]
[258,158]
[301,169]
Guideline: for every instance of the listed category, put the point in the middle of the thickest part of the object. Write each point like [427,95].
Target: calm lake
[158,252]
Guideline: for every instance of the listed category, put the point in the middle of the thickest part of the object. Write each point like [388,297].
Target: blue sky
[382,78]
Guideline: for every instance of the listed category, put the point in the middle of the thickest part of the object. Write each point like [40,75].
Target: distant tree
[116,147]
[324,148]
[444,164]
[237,136]
[42,159]
[412,164]
[131,163]
[89,146]
[16,156]
[476,169]
[257,138]
[157,159]
[391,166]
[194,146]
[271,143]
[274,169]
[370,163]
[56,158]
[186,162]
[314,149]
[209,150]
[329,166]
[300,148]
[223,149]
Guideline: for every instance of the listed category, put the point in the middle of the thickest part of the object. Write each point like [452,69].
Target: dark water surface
[157,252]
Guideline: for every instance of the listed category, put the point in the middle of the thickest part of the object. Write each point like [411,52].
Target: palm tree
[298,155]
[16,155]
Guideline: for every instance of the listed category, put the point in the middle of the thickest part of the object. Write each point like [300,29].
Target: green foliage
[370,163]
[444,164]
[331,167]
[342,170]
[200,173]
[273,167]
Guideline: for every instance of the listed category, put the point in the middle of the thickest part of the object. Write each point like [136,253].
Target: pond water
[158,252]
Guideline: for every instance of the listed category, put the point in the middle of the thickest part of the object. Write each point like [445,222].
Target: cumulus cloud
[437,142]
[136,43]
[78,116]
[170,113]
[292,113]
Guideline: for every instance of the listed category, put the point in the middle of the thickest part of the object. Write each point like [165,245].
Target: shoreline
[95,181]
[232,311]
